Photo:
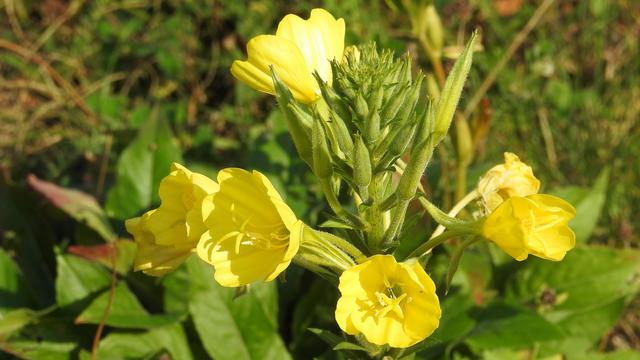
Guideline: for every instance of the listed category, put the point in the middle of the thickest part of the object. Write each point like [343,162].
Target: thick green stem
[318,270]
[396,221]
[455,210]
[433,242]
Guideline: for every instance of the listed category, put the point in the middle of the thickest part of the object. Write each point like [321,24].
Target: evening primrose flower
[513,178]
[167,235]
[389,303]
[535,224]
[253,234]
[298,48]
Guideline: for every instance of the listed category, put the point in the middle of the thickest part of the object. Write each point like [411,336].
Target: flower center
[273,236]
[390,300]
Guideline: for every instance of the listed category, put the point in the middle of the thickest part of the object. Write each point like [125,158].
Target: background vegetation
[97,98]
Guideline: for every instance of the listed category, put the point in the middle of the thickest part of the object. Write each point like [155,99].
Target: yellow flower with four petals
[390,303]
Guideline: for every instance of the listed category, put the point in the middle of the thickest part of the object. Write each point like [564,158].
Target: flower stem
[454,211]
[433,242]
[337,207]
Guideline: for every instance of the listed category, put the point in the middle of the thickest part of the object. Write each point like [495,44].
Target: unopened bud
[361,107]
[361,165]
[322,164]
[452,90]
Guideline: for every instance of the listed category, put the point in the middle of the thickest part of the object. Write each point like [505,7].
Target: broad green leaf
[12,285]
[15,320]
[176,291]
[140,168]
[235,329]
[584,330]
[448,101]
[78,278]
[41,350]
[81,206]
[584,295]
[503,326]
[587,278]
[170,339]
[126,311]
[588,202]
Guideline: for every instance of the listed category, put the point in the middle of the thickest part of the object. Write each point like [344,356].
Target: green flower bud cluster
[373,113]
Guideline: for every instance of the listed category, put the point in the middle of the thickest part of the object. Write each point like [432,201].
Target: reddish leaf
[80,206]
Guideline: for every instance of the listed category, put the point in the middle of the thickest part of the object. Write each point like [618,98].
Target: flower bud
[361,164]
[322,164]
[361,107]
[433,28]
[452,90]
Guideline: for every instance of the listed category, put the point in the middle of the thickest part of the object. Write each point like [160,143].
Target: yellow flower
[388,302]
[167,235]
[299,48]
[513,178]
[536,225]
[254,235]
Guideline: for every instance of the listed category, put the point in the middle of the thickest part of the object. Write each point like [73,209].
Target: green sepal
[298,129]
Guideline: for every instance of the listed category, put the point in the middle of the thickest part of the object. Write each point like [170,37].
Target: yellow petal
[320,39]
[158,260]
[264,51]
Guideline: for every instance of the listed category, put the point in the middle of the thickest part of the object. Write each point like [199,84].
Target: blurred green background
[99,97]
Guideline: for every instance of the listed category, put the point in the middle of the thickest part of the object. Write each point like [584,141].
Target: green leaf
[237,329]
[41,350]
[12,285]
[345,345]
[126,311]
[584,295]
[504,326]
[78,278]
[588,277]
[176,291]
[81,206]
[141,345]
[588,202]
[141,167]
[15,320]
